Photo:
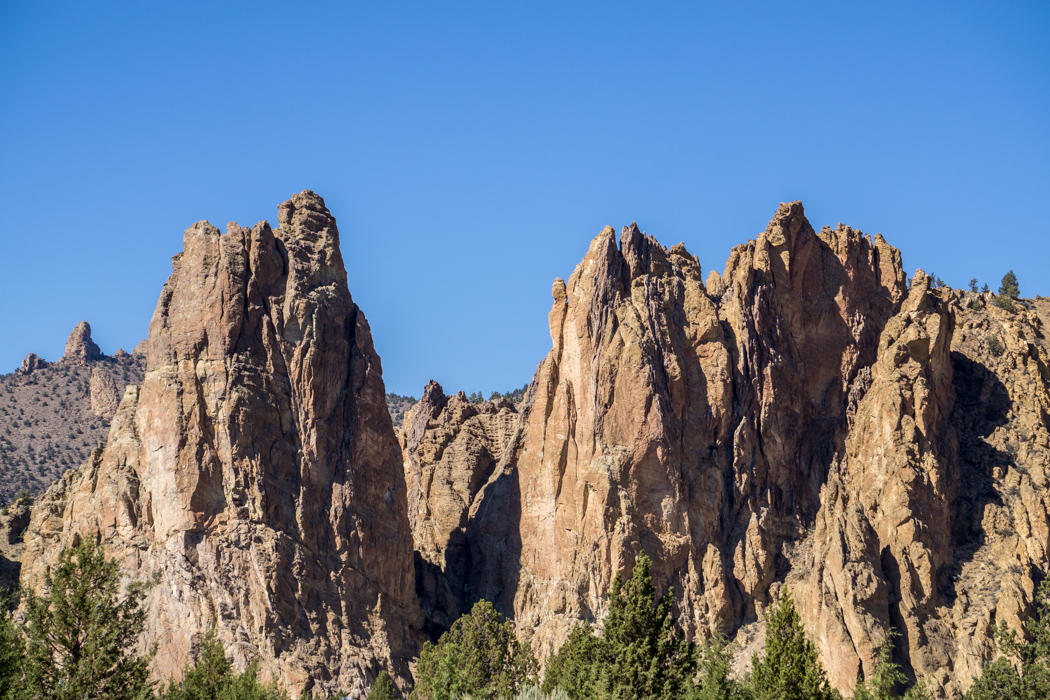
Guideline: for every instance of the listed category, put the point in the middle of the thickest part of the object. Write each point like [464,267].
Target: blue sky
[470,151]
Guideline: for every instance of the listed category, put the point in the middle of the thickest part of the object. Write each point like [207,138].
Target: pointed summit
[80,348]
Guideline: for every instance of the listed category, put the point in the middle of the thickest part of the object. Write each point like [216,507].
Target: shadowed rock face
[255,467]
[800,420]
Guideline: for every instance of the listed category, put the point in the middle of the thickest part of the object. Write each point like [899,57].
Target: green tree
[1023,671]
[1009,288]
[973,284]
[12,655]
[210,676]
[887,677]
[383,688]
[479,656]
[81,634]
[790,669]
[714,683]
[576,667]
[648,654]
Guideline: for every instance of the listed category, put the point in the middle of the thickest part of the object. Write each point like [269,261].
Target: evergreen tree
[973,284]
[576,667]
[887,677]
[81,635]
[649,657]
[1009,288]
[211,677]
[1023,672]
[790,669]
[12,655]
[714,666]
[383,688]
[479,656]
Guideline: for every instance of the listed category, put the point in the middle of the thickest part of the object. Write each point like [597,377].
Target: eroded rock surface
[800,420]
[451,448]
[255,467]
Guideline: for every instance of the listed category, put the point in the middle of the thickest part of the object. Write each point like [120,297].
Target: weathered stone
[255,469]
[80,348]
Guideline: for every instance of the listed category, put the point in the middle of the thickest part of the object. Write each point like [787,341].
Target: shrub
[1023,670]
[383,688]
[479,656]
[995,346]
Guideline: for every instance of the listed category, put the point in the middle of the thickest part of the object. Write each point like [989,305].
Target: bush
[383,688]
[479,656]
[995,346]
[211,677]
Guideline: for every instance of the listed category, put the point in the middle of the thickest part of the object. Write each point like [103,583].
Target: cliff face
[255,467]
[802,419]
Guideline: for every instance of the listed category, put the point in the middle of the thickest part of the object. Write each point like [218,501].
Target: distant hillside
[53,414]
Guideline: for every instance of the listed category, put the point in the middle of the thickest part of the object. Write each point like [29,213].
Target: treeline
[78,639]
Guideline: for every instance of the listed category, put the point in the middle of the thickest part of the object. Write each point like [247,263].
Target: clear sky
[470,151]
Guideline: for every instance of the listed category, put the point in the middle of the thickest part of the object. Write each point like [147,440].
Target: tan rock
[104,393]
[79,347]
[255,468]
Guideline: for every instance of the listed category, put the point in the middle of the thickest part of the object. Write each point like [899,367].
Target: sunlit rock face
[801,420]
[255,469]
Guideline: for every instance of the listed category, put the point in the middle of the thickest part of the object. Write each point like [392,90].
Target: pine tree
[887,677]
[790,669]
[81,634]
[211,677]
[479,656]
[1009,288]
[383,688]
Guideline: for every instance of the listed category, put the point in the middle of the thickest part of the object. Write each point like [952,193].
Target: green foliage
[211,677]
[714,682]
[576,668]
[12,655]
[995,346]
[80,635]
[887,677]
[1023,672]
[1009,287]
[641,653]
[479,656]
[383,688]
[973,284]
[648,655]
[790,669]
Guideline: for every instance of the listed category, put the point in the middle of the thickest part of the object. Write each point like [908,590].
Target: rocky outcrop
[79,347]
[31,364]
[800,420]
[451,447]
[255,470]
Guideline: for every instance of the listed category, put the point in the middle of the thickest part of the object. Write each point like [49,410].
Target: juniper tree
[790,669]
[210,676]
[479,656]
[383,688]
[81,633]
[12,655]
[1009,288]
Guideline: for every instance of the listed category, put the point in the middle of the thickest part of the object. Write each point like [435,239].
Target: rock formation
[802,419]
[80,347]
[255,469]
[451,447]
